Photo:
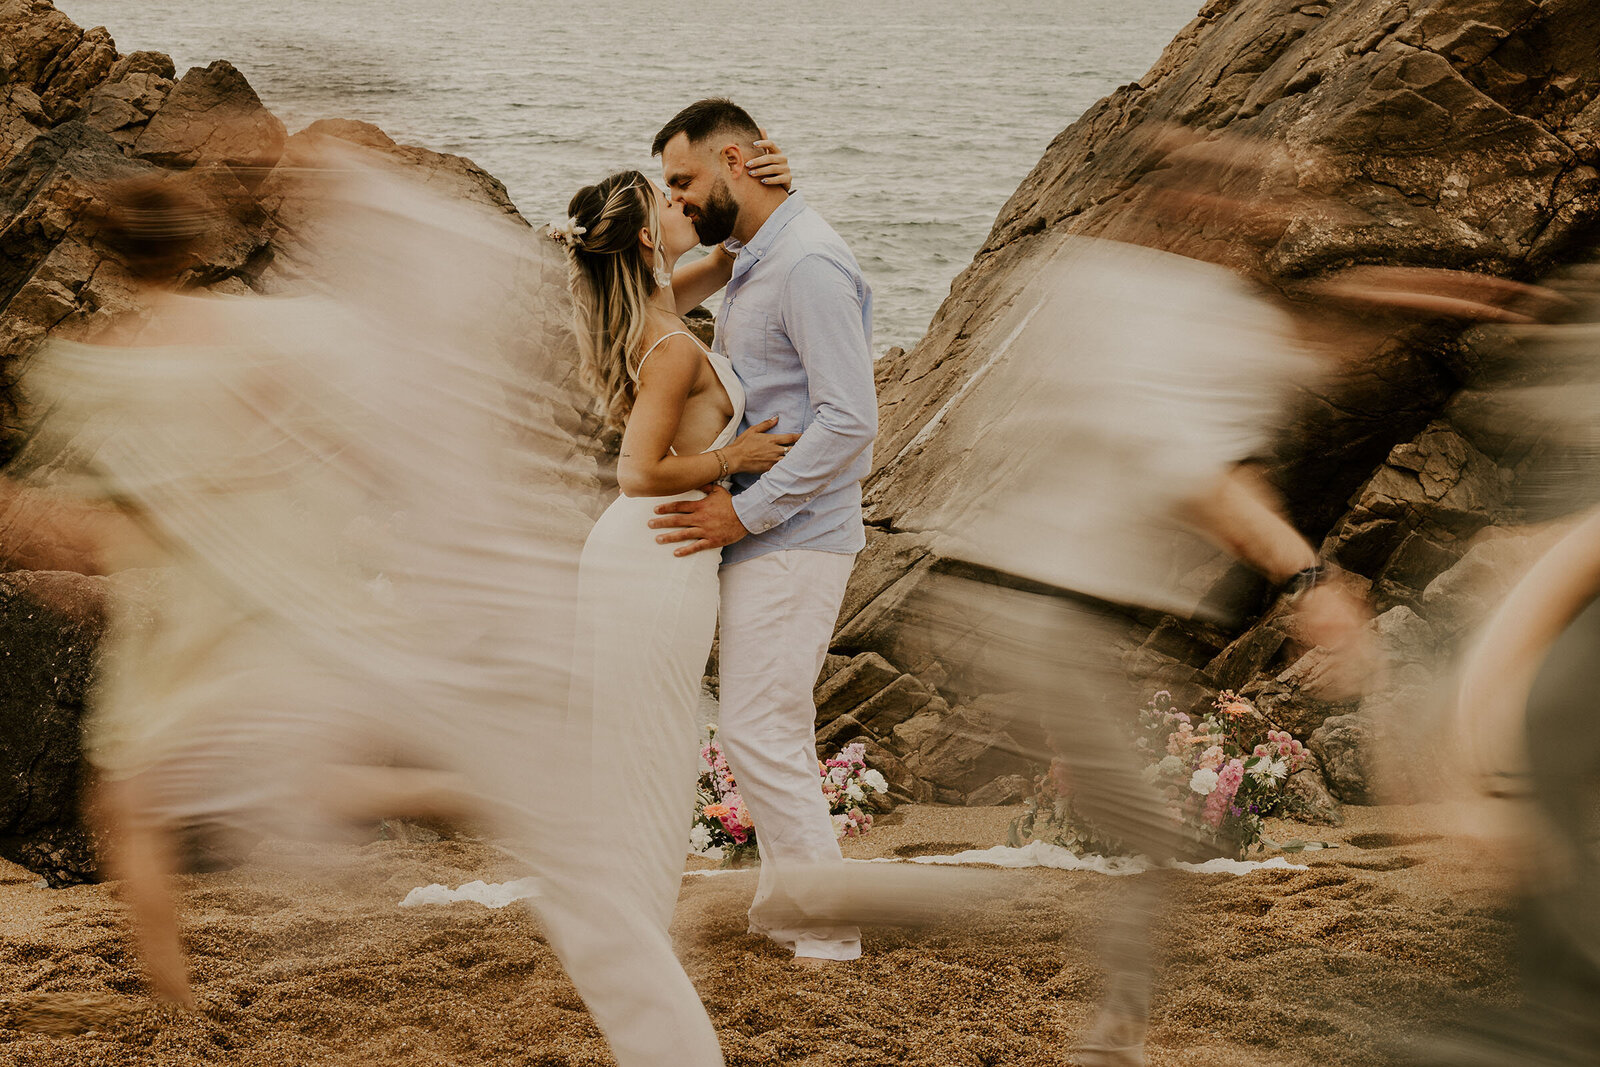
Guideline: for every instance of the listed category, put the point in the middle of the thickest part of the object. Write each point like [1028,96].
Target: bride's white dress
[646,619]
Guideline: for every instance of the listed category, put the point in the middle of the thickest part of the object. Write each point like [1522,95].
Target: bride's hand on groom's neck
[771,168]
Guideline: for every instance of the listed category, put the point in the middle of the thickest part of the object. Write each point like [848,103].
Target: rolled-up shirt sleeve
[823,314]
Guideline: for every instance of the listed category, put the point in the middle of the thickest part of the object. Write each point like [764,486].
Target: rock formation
[50,623]
[74,114]
[1442,133]
[1459,134]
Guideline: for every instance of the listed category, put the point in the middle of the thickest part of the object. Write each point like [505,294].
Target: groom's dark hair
[703,118]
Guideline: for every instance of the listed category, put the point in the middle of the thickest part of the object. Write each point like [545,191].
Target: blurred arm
[43,532]
[1242,515]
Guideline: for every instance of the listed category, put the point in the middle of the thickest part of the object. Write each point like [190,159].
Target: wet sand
[300,963]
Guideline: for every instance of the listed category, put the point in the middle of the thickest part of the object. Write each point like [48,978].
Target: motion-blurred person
[1530,753]
[354,507]
[1136,384]
[1126,393]
[1520,747]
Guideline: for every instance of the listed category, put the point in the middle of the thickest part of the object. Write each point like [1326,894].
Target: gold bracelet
[722,460]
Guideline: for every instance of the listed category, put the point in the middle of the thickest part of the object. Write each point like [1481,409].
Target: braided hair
[611,281]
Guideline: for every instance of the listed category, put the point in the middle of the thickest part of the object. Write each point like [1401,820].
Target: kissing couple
[740,474]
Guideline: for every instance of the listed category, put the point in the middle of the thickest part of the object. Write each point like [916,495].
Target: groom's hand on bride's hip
[706,523]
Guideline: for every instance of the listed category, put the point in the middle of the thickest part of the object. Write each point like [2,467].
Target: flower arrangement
[1221,775]
[723,829]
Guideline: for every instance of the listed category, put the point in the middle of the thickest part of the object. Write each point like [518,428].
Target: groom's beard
[714,223]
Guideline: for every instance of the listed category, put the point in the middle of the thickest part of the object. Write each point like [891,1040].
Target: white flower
[699,838]
[855,792]
[1169,766]
[1203,781]
[567,231]
[874,781]
[1267,769]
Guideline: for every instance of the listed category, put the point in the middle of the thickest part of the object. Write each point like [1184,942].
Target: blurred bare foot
[1114,1040]
[168,974]
[815,963]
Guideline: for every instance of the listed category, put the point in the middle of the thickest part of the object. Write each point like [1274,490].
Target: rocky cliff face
[74,113]
[1461,134]
[1451,133]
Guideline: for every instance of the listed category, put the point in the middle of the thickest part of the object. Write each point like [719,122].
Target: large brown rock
[47,56]
[124,104]
[970,747]
[1344,748]
[212,116]
[860,680]
[1459,134]
[50,626]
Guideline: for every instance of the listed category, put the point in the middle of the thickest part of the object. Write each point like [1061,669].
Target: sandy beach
[301,962]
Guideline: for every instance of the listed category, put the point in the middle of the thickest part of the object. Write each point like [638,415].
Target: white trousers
[778,615]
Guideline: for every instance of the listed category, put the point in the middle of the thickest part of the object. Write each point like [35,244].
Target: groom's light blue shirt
[796,322]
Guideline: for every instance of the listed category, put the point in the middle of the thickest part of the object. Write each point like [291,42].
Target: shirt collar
[768,233]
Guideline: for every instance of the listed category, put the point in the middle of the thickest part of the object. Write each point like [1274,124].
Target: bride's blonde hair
[611,282]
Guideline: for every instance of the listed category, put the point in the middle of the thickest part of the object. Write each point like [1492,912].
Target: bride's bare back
[680,432]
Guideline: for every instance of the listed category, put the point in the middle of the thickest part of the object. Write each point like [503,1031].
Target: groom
[796,322]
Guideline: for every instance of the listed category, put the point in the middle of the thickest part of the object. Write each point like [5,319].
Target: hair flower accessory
[566,231]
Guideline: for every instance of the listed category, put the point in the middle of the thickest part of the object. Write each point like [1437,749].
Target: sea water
[909,123]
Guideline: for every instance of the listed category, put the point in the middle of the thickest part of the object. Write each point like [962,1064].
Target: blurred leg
[1056,657]
[143,858]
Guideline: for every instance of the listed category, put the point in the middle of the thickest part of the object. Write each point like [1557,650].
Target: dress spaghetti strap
[675,333]
[634,373]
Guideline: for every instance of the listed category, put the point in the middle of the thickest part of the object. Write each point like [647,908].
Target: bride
[647,617]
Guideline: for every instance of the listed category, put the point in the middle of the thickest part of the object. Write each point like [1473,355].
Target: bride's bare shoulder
[669,354]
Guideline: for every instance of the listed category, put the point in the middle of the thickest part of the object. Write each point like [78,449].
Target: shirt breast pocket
[777,352]
[756,343]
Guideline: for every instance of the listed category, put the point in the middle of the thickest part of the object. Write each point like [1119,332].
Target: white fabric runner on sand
[1033,854]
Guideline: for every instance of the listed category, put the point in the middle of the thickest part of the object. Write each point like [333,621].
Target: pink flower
[1229,779]
[1211,759]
